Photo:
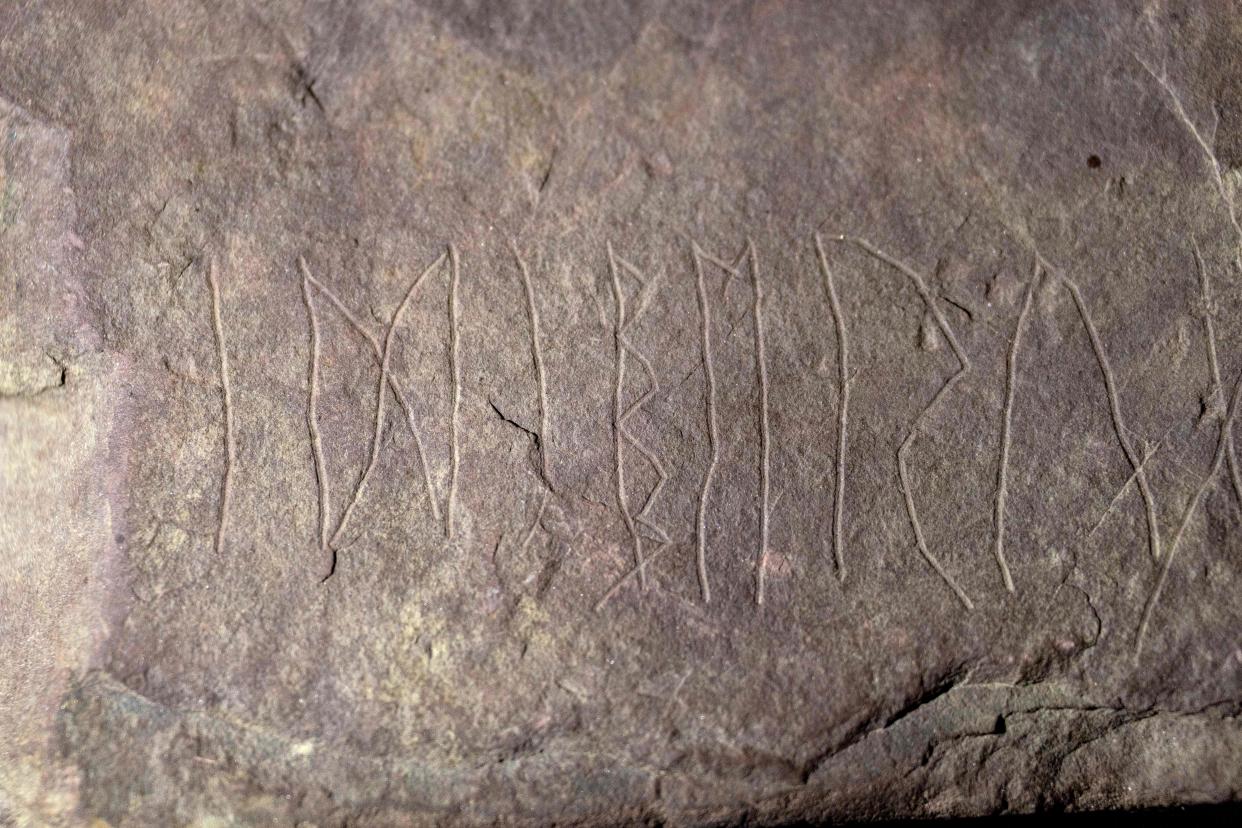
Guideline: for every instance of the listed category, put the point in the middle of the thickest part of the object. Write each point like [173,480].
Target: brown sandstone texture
[617,411]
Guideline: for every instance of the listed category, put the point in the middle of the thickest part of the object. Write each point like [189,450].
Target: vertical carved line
[765,440]
[1011,382]
[843,385]
[312,417]
[455,364]
[712,438]
[537,356]
[226,484]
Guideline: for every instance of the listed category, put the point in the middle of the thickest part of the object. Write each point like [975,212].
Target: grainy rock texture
[516,412]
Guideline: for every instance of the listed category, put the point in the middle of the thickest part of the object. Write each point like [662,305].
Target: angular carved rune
[618,267]
[907,487]
[713,436]
[377,353]
[380,398]
[1114,407]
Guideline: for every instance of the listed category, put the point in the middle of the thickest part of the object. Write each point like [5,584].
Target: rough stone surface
[229,599]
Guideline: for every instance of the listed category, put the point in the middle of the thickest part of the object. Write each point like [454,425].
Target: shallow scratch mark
[380,397]
[226,390]
[637,568]
[730,269]
[838,320]
[1114,405]
[1124,486]
[1217,461]
[455,366]
[1209,311]
[765,439]
[903,471]
[312,417]
[1002,471]
[672,699]
[712,436]
[377,351]
[537,356]
[1209,153]
[530,533]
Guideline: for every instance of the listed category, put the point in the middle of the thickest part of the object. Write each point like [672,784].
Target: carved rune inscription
[633,293]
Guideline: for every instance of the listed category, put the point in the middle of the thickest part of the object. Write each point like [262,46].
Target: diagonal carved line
[1209,312]
[1218,459]
[1114,407]
[380,396]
